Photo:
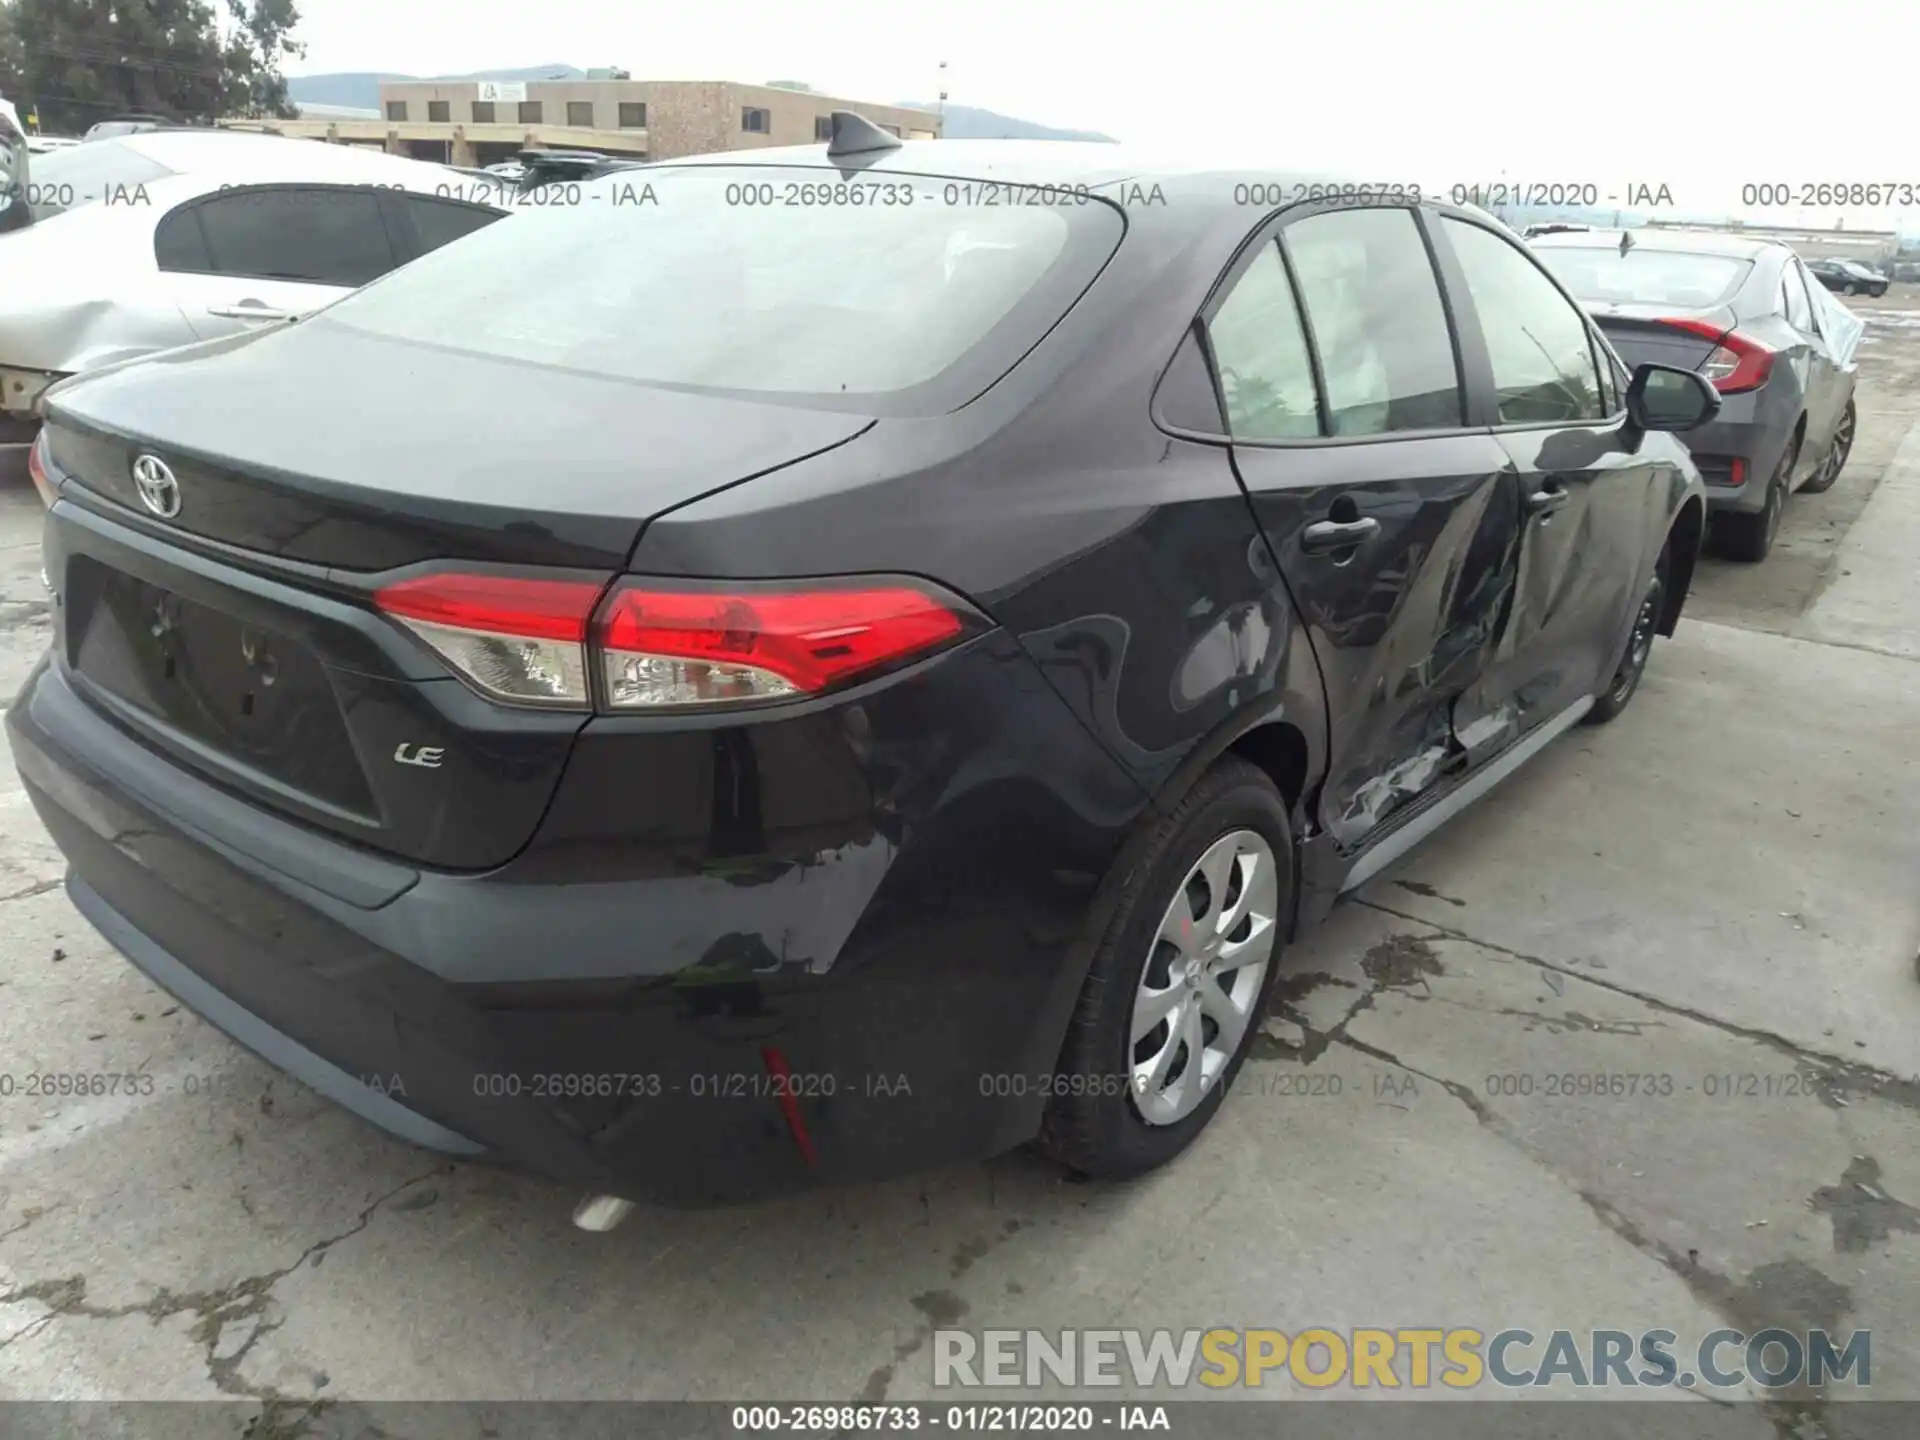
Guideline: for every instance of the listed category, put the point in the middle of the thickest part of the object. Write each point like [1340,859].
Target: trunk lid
[319,444]
[1644,333]
[238,638]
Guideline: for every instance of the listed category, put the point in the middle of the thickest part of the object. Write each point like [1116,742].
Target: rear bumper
[1746,429]
[274,1046]
[809,1003]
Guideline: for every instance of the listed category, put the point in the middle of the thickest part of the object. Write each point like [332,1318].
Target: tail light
[1738,362]
[517,639]
[663,648]
[668,645]
[37,469]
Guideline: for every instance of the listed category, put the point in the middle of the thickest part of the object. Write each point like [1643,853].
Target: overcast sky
[1700,96]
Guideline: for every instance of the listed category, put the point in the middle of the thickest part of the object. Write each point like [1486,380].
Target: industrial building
[480,122]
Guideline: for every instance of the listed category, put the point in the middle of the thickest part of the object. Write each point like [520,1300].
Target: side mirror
[1663,397]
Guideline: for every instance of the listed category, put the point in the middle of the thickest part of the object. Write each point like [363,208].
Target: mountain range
[360,90]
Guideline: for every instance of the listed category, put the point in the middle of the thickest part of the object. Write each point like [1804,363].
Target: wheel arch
[1291,754]
[1280,749]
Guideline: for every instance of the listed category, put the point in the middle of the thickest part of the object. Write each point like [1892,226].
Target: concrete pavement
[1874,602]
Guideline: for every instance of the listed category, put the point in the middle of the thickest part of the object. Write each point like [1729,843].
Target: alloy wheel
[1640,646]
[1203,976]
[1842,442]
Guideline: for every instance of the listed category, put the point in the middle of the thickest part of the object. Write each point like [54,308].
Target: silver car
[1744,314]
[14,179]
[145,242]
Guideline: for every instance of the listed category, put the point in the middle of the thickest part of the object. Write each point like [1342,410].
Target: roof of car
[1070,162]
[243,152]
[200,163]
[1683,242]
[1187,186]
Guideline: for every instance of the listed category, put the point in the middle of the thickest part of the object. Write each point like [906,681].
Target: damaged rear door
[1394,523]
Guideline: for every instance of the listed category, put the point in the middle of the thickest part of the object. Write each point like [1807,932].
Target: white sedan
[144,242]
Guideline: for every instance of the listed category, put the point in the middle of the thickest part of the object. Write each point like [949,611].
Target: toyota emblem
[159,491]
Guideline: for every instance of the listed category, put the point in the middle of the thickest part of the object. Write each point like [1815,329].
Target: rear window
[78,175]
[1656,277]
[757,280]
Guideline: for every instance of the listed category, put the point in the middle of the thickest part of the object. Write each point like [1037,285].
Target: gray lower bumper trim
[250,1030]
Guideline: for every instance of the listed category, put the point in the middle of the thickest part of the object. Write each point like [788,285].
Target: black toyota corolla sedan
[799,667]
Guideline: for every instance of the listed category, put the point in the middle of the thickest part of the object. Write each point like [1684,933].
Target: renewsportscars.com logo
[1365,1358]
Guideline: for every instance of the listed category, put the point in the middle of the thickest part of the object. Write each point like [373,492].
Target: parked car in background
[1554,227]
[544,167]
[1906,272]
[15,179]
[505,183]
[165,237]
[128,125]
[1743,314]
[1848,277]
[874,685]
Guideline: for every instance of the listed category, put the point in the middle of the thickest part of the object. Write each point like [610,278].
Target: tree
[80,61]
[261,40]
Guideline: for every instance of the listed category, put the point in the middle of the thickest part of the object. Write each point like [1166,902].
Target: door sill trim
[1418,826]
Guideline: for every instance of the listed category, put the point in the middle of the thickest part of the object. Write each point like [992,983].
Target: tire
[1851,289]
[1109,1117]
[1625,684]
[1750,537]
[1837,454]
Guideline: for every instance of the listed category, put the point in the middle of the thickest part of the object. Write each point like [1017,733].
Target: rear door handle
[1546,500]
[1323,537]
[249,310]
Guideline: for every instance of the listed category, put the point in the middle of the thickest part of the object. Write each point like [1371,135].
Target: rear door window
[179,244]
[1373,302]
[437,222]
[1260,351]
[322,235]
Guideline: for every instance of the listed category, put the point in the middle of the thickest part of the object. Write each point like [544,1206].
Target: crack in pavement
[1790,1294]
[1399,964]
[29,1216]
[214,1311]
[23,614]
[1841,1075]
[1572,1022]
[1857,645]
[32,890]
